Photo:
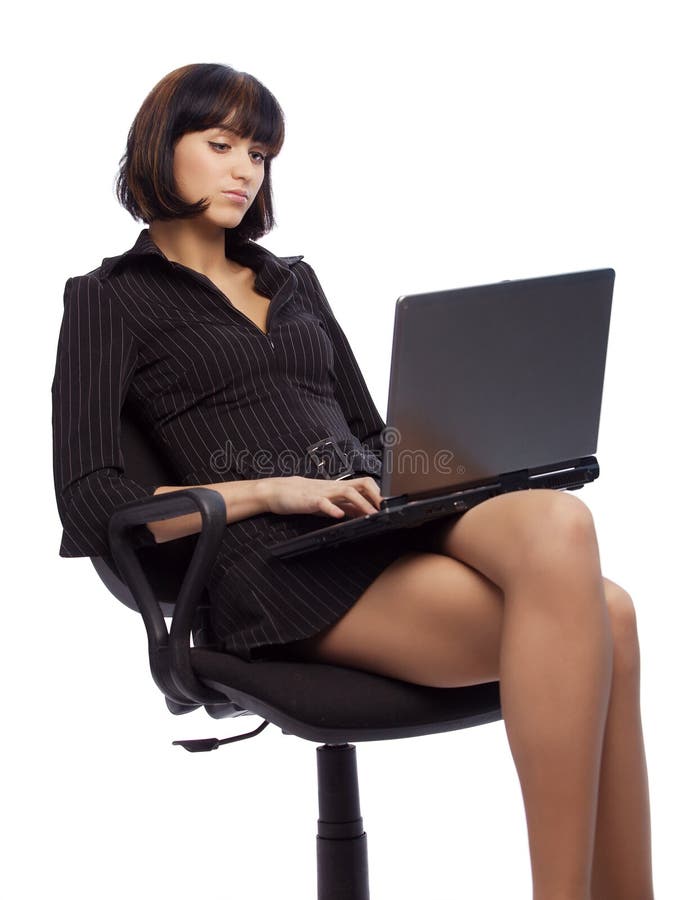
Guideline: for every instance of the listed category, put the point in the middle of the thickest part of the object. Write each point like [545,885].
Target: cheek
[194,172]
[187,176]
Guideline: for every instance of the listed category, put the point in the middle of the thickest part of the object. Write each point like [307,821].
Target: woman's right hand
[322,496]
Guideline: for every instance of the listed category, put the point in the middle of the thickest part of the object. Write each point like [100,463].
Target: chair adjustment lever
[201,745]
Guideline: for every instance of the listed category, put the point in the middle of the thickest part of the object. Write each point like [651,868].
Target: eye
[220,148]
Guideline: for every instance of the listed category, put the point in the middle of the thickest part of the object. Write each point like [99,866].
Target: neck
[193,244]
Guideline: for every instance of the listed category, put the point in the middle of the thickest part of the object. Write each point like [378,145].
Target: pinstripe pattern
[224,400]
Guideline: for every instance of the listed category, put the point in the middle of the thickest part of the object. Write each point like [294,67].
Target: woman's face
[211,163]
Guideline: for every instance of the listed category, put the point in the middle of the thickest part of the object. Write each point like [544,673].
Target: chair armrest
[169,651]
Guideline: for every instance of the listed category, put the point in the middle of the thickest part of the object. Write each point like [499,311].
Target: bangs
[238,102]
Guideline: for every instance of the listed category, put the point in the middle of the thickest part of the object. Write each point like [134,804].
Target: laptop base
[403,512]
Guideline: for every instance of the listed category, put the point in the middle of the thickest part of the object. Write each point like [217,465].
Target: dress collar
[249,253]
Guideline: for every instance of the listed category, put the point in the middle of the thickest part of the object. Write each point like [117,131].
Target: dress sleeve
[95,362]
[351,390]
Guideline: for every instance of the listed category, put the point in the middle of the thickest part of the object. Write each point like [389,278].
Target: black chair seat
[336,704]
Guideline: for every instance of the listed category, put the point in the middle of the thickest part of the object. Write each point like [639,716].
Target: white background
[429,145]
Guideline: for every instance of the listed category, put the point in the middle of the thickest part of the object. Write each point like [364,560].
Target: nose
[241,164]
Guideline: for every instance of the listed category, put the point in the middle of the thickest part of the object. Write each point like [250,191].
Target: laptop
[493,388]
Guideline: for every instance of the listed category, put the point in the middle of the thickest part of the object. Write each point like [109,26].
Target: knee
[623,622]
[559,526]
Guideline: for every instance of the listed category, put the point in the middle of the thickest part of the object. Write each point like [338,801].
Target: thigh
[505,535]
[427,618]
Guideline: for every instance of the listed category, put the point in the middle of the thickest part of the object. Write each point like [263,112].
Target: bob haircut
[197,97]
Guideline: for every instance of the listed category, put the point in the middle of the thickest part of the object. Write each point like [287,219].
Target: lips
[239,193]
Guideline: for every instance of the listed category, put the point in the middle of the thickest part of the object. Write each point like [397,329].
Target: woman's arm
[242,499]
[95,362]
[284,495]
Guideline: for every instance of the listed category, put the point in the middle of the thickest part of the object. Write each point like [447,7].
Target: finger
[361,502]
[371,489]
[329,508]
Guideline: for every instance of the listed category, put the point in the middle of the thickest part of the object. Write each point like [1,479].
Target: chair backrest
[142,461]
[164,564]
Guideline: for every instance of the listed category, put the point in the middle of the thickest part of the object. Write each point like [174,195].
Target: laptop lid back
[492,379]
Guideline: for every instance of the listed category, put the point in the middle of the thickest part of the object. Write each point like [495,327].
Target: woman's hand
[322,496]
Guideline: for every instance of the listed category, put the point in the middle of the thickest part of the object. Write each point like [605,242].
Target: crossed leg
[512,591]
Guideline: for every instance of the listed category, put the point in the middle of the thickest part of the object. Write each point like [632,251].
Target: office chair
[328,704]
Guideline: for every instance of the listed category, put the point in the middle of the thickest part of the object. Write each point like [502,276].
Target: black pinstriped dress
[225,400]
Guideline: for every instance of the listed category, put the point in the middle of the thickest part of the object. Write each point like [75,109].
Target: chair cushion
[335,704]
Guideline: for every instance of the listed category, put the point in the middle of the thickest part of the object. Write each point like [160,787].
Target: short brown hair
[194,98]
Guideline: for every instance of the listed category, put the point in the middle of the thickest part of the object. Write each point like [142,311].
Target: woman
[233,359]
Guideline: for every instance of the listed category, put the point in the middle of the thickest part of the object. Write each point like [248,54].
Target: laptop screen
[492,379]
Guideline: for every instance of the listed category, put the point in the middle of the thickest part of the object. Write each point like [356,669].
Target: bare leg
[622,865]
[621,860]
[527,606]
[555,668]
